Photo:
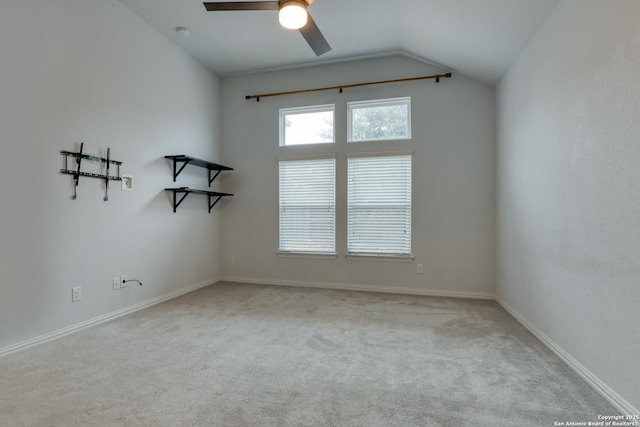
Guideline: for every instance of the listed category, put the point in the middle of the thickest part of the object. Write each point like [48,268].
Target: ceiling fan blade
[314,37]
[240,5]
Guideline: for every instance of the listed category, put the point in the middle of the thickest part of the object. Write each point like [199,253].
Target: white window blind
[307,206]
[379,203]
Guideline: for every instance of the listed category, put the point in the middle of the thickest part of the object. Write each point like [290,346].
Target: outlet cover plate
[76,294]
[127,183]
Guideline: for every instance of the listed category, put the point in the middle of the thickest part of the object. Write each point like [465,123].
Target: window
[379,204]
[307,206]
[307,125]
[379,120]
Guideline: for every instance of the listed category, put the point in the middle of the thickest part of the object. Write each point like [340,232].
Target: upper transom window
[307,125]
[377,120]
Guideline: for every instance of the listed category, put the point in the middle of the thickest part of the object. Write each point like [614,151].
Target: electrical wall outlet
[123,281]
[420,268]
[232,259]
[76,294]
[116,283]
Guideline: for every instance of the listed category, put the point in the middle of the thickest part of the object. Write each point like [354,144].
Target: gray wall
[568,211]
[92,71]
[453,182]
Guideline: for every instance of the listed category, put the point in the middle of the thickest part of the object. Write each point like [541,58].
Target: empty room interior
[393,213]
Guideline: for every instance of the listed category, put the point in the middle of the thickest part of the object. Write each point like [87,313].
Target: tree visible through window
[379,120]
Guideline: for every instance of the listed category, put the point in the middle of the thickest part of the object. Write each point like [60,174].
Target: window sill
[350,257]
[379,257]
[316,255]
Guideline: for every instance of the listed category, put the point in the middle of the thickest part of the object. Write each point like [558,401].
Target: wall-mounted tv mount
[77,173]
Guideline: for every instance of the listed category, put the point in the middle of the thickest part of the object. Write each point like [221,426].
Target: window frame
[301,110]
[406,100]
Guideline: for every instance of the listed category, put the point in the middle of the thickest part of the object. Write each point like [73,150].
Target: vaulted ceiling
[477,38]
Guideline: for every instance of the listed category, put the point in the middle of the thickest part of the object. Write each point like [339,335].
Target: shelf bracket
[214,203]
[176,204]
[214,176]
[176,171]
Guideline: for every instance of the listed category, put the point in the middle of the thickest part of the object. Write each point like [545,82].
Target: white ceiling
[477,38]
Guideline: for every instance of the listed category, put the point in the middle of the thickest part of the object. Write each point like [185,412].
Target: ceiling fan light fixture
[293,14]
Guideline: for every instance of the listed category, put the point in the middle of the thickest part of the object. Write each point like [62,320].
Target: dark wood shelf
[185,191]
[188,160]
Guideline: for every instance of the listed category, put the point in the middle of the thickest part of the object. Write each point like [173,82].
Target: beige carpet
[253,355]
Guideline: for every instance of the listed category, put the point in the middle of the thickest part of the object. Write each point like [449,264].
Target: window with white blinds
[379,204]
[307,206]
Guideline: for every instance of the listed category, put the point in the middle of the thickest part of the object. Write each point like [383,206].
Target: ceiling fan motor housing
[308,2]
[293,13]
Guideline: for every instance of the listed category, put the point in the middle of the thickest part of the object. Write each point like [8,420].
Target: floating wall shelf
[187,160]
[185,191]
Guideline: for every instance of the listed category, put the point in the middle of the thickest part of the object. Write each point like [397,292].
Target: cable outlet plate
[127,183]
[123,281]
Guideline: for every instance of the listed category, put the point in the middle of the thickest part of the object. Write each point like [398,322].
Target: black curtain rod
[437,77]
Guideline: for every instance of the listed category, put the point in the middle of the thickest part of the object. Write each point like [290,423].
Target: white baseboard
[603,389]
[102,319]
[365,288]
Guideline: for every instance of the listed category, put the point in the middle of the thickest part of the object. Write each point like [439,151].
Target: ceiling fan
[293,15]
